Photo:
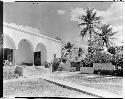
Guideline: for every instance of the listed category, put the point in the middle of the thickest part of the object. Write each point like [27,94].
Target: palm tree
[68,48]
[90,21]
[105,37]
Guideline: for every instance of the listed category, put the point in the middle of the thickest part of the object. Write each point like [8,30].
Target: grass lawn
[110,84]
[37,88]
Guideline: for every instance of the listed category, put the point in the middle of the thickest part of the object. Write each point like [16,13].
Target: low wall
[86,70]
[103,66]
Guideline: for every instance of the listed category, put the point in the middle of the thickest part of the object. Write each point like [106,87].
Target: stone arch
[43,52]
[25,53]
[8,49]
[8,42]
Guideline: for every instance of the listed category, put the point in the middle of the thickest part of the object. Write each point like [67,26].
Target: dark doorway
[37,58]
[8,54]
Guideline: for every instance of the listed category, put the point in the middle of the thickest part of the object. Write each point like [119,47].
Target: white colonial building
[24,44]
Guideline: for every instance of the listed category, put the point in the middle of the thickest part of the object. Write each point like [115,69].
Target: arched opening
[24,53]
[40,54]
[8,49]
[8,42]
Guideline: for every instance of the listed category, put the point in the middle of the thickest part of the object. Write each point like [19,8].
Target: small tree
[68,47]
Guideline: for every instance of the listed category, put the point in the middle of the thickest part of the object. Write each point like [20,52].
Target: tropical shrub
[72,64]
[101,58]
[46,64]
[12,72]
[95,71]
[117,60]
[8,72]
[109,72]
[64,60]
[18,71]
[111,50]
[87,61]
[55,64]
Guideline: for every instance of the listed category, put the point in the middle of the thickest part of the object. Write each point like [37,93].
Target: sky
[60,18]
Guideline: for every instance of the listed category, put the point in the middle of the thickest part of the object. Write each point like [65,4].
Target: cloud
[75,13]
[114,13]
[62,12]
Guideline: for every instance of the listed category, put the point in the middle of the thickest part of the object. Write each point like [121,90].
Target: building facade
[24,44]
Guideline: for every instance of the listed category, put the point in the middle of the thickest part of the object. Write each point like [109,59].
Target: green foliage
[109,72]
[56,63]
[101,58]
[75,64]
[67,50]
[90,21]
[86,63]
[46,64]
[117,60]
[10,72]
[18,71]
[64,60]
[112,50]
[106,34]
[68,46]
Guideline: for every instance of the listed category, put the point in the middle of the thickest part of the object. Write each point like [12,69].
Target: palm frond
[84,32]
[82,24]
[114,38]
[82,18]
[95,32]
[113,33]
[97,18]
[94,15]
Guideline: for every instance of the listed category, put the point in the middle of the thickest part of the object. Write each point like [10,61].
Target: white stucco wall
[24,53]
[17,33]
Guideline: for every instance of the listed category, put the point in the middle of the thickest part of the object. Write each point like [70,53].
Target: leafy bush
[10,72]
[18,71]
[101,58]
[86,62]
[76,64]
[64,60]
[72,64]
[112,50]
[117,60]
[95,71]
[109,72]
[118,72]
[56,63]
[60,68]
[46,64]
